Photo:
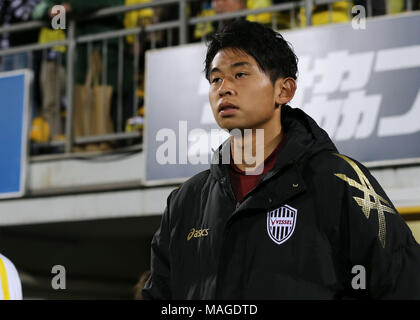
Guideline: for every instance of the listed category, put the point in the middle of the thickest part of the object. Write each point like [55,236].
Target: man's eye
[215,80]
[240,74]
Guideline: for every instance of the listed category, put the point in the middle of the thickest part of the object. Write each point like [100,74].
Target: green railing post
[71,48]
[309,4]
[183,22]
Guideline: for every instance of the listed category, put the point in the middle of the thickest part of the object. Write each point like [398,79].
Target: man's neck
[246,158]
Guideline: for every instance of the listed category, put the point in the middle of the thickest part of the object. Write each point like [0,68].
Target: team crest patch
[281,223]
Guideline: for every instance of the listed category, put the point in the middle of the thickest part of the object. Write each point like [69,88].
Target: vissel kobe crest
[281,223]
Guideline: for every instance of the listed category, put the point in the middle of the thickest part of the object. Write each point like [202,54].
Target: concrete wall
[112,186]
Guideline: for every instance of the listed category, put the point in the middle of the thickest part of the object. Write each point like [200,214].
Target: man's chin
[229,125]
[232,129]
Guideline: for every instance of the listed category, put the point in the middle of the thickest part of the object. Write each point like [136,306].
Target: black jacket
[336,234]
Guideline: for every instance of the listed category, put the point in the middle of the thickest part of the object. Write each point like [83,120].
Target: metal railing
[181,24]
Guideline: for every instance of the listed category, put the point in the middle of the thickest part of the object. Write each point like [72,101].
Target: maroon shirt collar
[242,183]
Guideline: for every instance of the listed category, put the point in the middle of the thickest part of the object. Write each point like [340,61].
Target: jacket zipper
[263,180]
[228,188]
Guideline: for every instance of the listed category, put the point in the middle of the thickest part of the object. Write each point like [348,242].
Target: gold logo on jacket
[197,233]
[366,203]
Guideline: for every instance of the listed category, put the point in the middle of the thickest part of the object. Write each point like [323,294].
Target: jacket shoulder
[196,182]
[336,174]
[190,189]
[350,170]
[327,163]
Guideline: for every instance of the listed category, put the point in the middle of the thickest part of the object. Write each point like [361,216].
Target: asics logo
[197,233]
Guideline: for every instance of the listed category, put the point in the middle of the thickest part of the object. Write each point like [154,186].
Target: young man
[314,224]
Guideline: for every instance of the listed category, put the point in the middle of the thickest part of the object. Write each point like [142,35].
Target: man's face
[241,95]
[223,6]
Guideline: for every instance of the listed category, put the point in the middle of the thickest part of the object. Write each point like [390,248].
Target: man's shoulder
[330,161]
[333,167]
[188,195]
[197,180]
[193,185]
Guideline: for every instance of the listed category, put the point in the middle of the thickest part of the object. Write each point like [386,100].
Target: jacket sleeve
[158,286]
[382,255]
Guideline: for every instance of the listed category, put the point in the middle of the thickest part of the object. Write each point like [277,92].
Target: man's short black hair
[273,54]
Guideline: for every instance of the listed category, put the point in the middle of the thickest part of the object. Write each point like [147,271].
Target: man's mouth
[227,108]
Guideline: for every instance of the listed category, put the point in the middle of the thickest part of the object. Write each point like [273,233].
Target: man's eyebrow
[240,64]
[234,65]
[213,70]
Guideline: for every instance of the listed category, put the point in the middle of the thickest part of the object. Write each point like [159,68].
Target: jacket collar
[304,139]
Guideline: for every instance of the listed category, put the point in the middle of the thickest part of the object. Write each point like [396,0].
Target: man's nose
[225,88]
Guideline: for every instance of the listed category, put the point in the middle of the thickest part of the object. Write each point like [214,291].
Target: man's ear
[284,90]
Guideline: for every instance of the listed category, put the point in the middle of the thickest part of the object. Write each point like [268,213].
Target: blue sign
[14,97]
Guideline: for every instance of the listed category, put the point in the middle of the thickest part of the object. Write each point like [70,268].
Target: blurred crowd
[107,99]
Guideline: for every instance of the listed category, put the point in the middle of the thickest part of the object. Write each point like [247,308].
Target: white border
[28,77]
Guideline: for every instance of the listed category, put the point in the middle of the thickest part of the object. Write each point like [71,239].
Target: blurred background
[86,87]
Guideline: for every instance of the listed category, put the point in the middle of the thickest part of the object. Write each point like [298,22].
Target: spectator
[80,8]
[203,29]
[227,6]
[137,18]
[15,11]
[52,77]
[398,6]
[339,11]
[171,13]
[263,18]
[286,19]
[323,14]
[134,19]
[217,7]
[10,285]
